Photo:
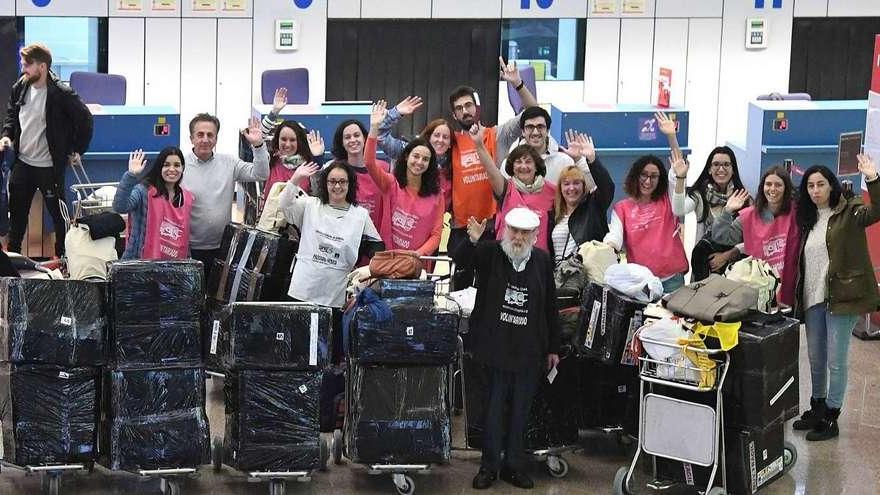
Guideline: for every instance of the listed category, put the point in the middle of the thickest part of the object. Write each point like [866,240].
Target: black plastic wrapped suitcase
[155,419]
[398,415]
[553,422]
[211,355]
[262,252]
[288,336]
[606,320]
[234,283]
[609,396]
[272,420]
[53,418]
[158,344]
[152,292]
[392,288]
[52,321]
[762,382]
[416,333]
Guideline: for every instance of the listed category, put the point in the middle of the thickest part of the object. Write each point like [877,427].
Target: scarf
[716,198]
[529,188]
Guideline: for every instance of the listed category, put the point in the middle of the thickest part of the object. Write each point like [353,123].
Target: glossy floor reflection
[848,465]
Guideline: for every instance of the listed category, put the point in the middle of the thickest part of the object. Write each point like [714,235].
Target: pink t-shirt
[166,235]
[777,243]
[651,236]
[540,202]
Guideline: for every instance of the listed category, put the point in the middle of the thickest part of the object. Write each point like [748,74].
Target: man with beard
[471,191]
[49,126]
[514,335]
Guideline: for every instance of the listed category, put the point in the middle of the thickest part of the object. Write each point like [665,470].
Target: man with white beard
[514,335]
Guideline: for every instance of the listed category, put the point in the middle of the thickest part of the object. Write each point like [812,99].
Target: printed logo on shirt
[642,216]
[403,220]
[774,246]
[169,251]
[469,158]
[514,310]
[400,242]
[516,296]
[170,230]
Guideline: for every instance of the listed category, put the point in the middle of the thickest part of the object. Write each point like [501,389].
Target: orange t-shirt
[471,190]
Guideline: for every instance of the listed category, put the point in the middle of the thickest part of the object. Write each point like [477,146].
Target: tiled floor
[849,465]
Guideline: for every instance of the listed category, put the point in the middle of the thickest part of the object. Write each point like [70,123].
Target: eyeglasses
[467,106]
[534,127]
[722,164]
[337,182]
[649,177]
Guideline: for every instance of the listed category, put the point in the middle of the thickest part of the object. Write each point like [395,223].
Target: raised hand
[409,105]
[254,134]
[666,125]
[476,133]
[475,229]
[316,143]
[377,115]
[509,72]
[867,166]
[737,200]
[74,159]
[304,171]
[579,146]
[5,142]
[136,162]
[279,101]
[680,166]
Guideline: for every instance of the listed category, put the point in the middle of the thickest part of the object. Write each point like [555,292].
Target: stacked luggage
[154,396]
[51,349]
[273,357]
[401,350]
[253,265]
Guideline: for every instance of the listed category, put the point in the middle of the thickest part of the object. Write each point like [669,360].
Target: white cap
[522,218]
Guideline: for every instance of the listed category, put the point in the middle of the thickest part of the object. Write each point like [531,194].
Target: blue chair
[295,80]
[528,76]
[95,87]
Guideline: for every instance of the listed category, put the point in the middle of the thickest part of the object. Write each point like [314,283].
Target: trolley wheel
[557,466]
[170,486]
[716,490]
[337,446]
[404,484]
[51,484]
[276,487]
[325,452]
[619,483]
[789,455]
[217,454]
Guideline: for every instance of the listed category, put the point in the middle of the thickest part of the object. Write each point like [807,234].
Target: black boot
[809,419]
[484,479]
[827,427]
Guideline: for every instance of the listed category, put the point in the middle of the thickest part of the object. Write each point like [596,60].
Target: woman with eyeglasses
[768,230]
[706,198]
[645,226]
[838,288]
[413,203]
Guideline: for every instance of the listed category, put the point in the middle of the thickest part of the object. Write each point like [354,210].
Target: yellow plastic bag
[726,333]
[701,360]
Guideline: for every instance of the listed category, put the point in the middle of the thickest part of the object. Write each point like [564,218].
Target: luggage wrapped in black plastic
[49,414]
[211,328]
[231,283]
[417,333]
[262,252]
[392,288]
[52,321]
[158,344]
[606,319]
[155,419]
[553,421]
[608,396]
[288,336]
[152,292]
[762,381]
[272,420]
[398,415]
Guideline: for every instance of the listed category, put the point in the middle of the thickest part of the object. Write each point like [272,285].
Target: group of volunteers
[520,204]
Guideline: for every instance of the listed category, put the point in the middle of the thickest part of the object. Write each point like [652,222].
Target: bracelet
[521,84]
[681,177]
[255,146]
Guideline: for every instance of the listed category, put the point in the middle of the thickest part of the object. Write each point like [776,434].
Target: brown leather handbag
[396,263]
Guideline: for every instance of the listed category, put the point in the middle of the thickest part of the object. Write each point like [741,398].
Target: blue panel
[620,126]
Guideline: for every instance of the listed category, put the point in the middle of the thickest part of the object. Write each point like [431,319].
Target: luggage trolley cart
[86,202]
[51,474]
[443,268]
[664,421]
[169,479]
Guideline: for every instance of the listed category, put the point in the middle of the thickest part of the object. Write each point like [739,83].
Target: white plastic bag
[668,331]
[465,299]
[597,257]
[760,275]
[635,281]
[272,218]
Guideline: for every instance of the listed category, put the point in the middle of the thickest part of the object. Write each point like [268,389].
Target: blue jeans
[828,337]
[673,283]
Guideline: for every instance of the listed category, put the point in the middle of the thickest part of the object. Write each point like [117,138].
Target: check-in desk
[806,132]
[322,118]
[117,131]
[621,133]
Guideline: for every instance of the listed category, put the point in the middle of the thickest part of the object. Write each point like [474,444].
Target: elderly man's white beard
[516,254]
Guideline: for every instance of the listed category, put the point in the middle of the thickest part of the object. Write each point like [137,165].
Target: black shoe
[518,479]
[483,479]
[827,427]
[812,417]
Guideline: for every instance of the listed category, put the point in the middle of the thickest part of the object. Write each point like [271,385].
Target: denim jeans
[828,337]
[673,283]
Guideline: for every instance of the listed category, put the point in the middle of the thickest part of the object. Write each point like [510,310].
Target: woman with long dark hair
[413,204]
[290,147]
[158,208]
[706,197]
[349,141]
[768,230]
[644,225]
[838,288]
